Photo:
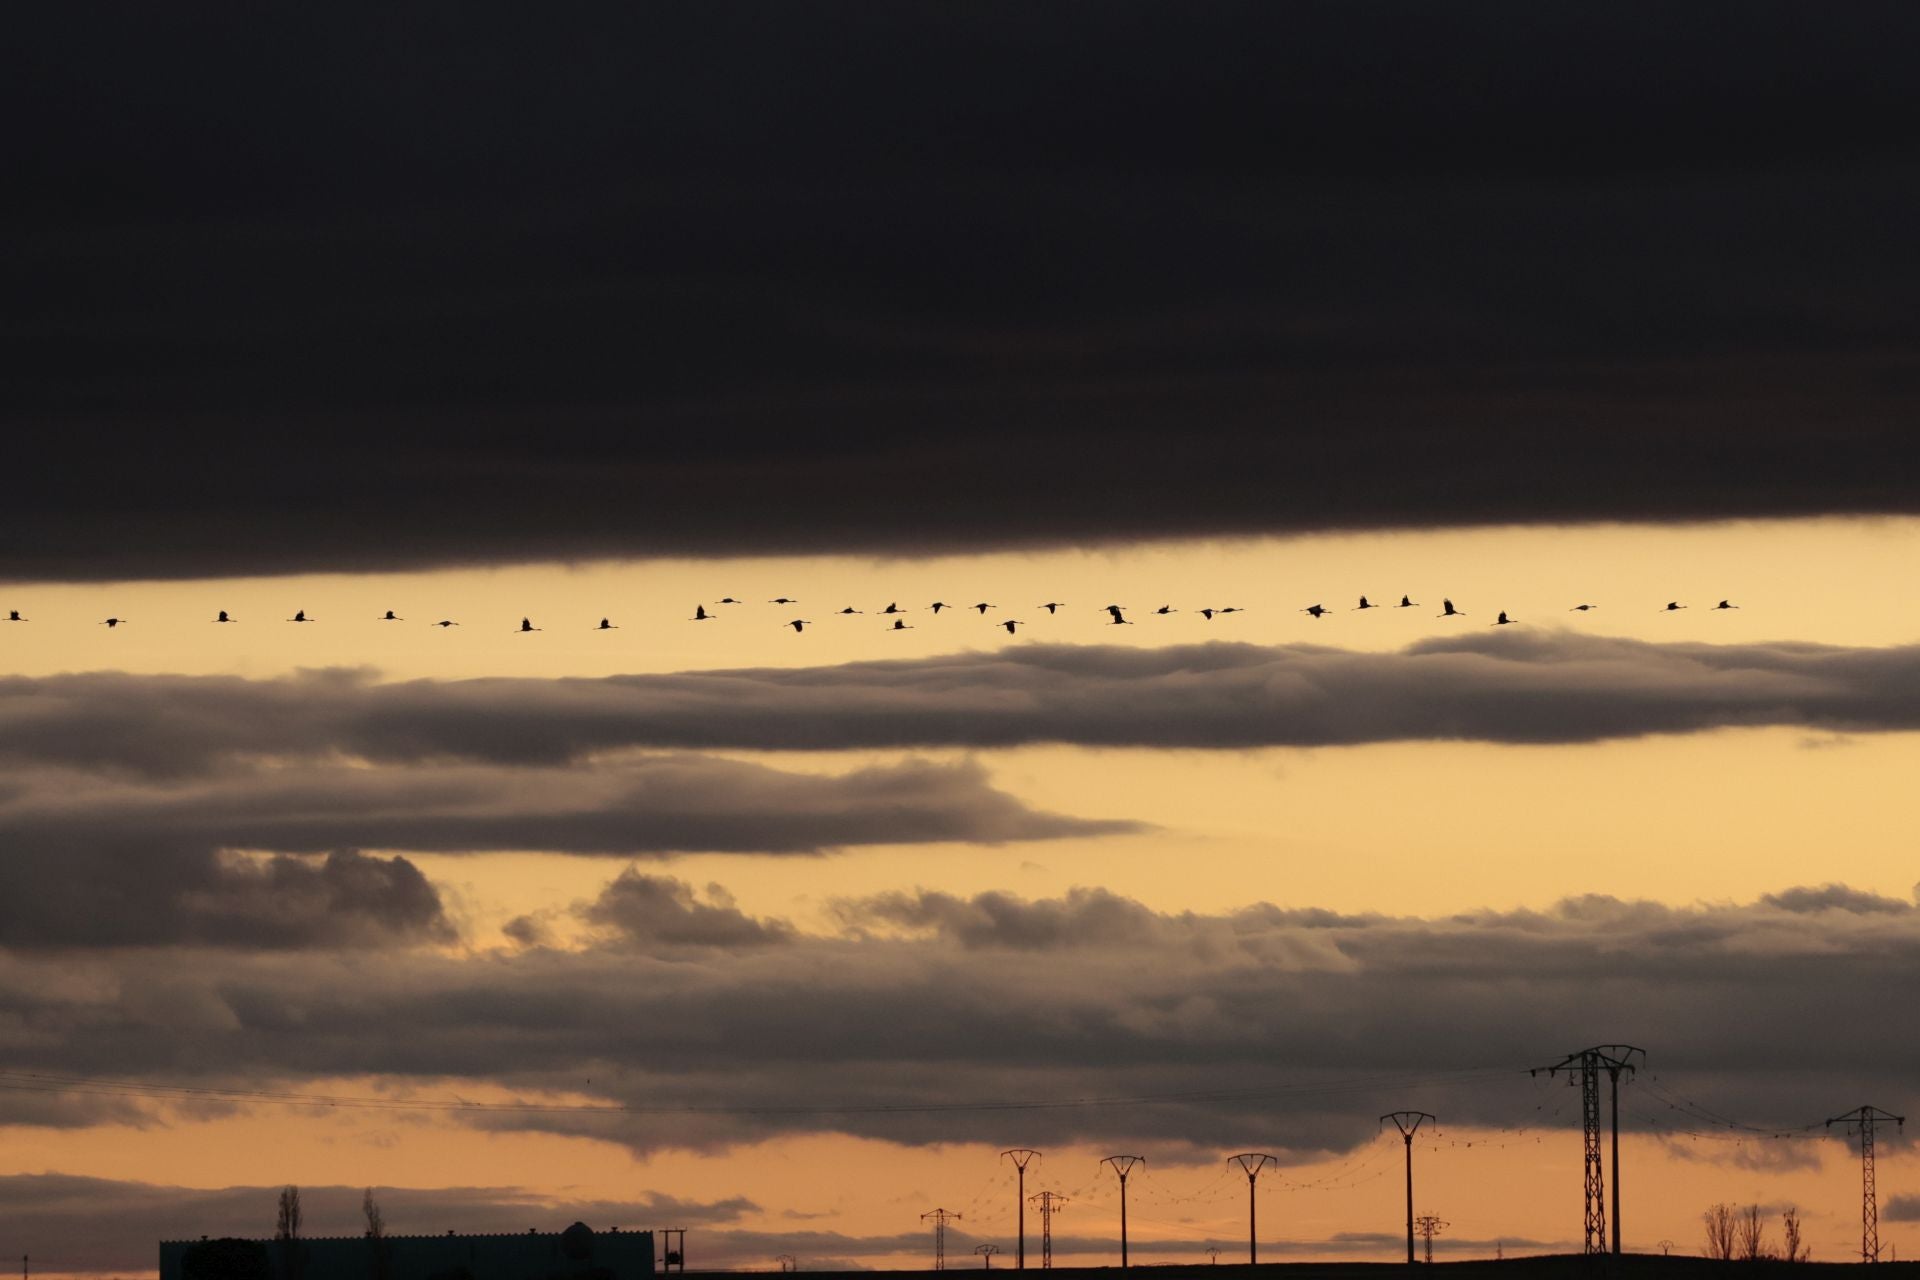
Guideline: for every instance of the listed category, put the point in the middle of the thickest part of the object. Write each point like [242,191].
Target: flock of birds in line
[1116,614]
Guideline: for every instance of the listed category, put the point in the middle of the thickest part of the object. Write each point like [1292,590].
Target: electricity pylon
[986,1252]
[940,1218]
[1430,1226]
[1123,1165]
[1589,1063]
[1049,1202]
[1251,1163]
[1862,1121]
[1020,1156]
[1408,1123]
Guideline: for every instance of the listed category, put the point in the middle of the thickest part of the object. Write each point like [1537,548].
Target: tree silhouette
[1721,1232]
[376,1235]
[286,1231]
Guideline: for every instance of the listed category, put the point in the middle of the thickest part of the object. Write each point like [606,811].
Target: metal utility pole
[1020,1156]
[787,1261]
[1123,1165]
[673,1244]
[1050,1203]
[1862,1121]
[1251,1163]
[1589,1063]
[986,1252]
[1430,1226]
[1408,1123]
[940,1218]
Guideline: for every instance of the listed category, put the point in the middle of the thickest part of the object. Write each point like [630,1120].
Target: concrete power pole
[1408,1123]
[1020,1157]
[1123,1165]
[1251,1163]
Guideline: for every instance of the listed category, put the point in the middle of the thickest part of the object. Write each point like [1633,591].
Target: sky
[477,314]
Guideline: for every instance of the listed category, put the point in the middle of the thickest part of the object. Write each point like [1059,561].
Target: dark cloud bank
[477,285]
[1284,1028]
[1535,688]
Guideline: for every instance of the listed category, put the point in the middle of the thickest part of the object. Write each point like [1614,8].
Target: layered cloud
[1124,295]
[1549,687]
[934,1018]
[236,858]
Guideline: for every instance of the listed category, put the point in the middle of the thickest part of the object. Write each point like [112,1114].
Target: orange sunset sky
[451,331]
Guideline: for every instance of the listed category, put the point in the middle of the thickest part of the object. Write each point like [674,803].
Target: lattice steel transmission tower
[1123,1165]
[1587,1064]
[1408,1123]
[1430,1226]
[1020,1157]
[1050,1203]
[1862,1121]
[1251,1163]
[940,1218]
[986,1252]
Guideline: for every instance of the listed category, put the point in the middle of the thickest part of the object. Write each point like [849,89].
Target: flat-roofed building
[578,1253]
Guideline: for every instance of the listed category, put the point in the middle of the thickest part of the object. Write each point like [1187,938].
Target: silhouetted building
[578,1253]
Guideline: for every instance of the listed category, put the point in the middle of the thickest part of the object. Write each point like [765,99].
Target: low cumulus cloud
[932,1018]
[658,911]
[76,1223]
[1544,687]
[106,859]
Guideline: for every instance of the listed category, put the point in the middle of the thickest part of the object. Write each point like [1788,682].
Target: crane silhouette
[983,606]
[1365,604]
[526,625]
[700,614]
[1725,604]
[300,615]
[1673,606]
[1407,602]
[1315,611]
[391,616]
[1118,619]
[1502,620]
[605,625]
[938,605]
[798,623]
[444,622]
[113,622]
[1233,608]
[1208,614]
[1583,608]
[223,617]
[1051,606]
[850,609]
[1010,624]
[13,615]
[783,600]
[892,607]
[1448,611]
[727,600]
[900,624]
[1164,610]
